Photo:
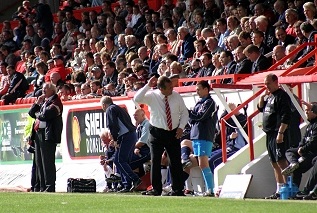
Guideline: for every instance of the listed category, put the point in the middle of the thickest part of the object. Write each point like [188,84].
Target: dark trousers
[45,162]
[216,158]
[161,140]
[292,157]
[9,98]
[123,157]
[137,161]
[312,179]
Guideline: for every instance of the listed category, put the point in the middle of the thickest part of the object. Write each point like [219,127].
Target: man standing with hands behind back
[168,117]
[47,112]
[276,117]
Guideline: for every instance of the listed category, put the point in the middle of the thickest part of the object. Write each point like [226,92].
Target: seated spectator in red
[291,17]
[18,85]
[59,68]
[21,65]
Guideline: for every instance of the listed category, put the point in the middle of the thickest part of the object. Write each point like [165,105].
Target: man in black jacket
[260,62]
[300,158]
[47,112]
[276,118]
[18,86]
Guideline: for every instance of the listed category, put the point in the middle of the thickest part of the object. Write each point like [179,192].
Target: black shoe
[124,190]
[290,169]
[301,194]
[273,196]
[176,193]
[113,179]
[135,184]
[311,196]
[151,192]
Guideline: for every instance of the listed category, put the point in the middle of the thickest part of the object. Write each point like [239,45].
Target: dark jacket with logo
[203,119]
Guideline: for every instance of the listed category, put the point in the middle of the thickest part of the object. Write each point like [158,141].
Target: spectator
[187,48]
[244,65]
[309,32]
[18,85]
[262,24]
[228,64]
[200,46]
[245,39]
[224,32]
[212,45]
[283,38]
[58,67]
[207,66]
[291,17]
[111,74]
[44,17]
[309,11]
[260,62]
[4,79]
[278,53]
[258,40]
[32,35]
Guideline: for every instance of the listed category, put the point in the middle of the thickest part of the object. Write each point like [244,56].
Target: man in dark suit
[260,62]
[309,32]
[244,65]
[228,64]
[18,85]
[47,112]
[187,48]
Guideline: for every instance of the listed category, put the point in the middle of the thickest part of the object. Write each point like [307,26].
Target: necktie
[168,114]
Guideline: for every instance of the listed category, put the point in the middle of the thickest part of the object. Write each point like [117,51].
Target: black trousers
[161,140]
[292,157]
[312,179]
[45,162]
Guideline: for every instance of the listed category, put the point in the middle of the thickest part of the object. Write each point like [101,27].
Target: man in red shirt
[59,68]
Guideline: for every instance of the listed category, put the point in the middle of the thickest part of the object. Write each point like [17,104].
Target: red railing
[223,127]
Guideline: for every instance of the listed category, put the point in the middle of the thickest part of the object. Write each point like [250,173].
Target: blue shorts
[202,147]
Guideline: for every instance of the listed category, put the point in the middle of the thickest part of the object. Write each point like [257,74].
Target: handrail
[223,127]
[250,133]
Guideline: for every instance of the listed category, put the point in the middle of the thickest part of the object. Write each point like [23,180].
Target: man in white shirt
[168,117]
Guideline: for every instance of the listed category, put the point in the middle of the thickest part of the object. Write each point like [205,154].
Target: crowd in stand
[116,51]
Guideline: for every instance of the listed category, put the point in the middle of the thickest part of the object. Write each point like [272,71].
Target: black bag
[81,185]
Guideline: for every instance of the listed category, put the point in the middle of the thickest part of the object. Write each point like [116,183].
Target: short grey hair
[106,100]
[51,87]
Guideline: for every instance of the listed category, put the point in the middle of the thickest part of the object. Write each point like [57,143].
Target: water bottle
[293,189]
[284,192]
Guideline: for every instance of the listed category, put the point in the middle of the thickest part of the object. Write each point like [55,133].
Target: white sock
[189,184]
[278,187]
[164,176]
